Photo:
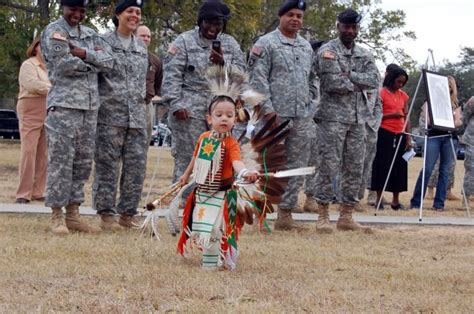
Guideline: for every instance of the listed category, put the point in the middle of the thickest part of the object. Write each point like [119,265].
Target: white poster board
[439,100]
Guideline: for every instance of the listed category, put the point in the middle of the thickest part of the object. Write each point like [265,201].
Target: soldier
[154,77]
[346,73]
[468,140]
[184,86]
[371,128]
[74,55]
[310,205]
[121,129]
[280,67]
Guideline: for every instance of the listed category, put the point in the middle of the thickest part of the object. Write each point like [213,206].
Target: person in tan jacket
[31,109]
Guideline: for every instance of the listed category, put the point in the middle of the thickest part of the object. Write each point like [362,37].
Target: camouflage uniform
[122,129]
[314,157]
[73,102]
[282,71]
[468,140]
[371,130]
[343,112]
[184,87]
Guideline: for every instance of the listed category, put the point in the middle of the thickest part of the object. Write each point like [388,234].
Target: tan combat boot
[285,222]
[345,221]
[430,193]
[58,226]
[310,205]
[129,222]
[74,222]
[372,198]
[108,222]
[323,225]
[451,196]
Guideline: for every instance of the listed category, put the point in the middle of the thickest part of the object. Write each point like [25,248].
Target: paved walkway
[366,219]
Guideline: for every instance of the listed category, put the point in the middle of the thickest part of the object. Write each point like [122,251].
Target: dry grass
[398,269]
[395,270]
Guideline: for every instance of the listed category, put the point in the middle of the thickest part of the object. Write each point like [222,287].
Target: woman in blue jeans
[439,145]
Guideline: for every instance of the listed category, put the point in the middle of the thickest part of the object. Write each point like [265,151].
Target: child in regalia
[210,220]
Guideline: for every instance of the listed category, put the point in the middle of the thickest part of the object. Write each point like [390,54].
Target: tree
[168,18]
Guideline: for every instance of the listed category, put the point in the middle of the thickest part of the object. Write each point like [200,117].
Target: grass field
[397,269]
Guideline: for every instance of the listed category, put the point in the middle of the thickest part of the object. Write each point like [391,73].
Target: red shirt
[391,103]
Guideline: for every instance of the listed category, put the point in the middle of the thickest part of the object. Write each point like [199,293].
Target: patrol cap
[124,4]
[349,16]
[213,9]
[291,4]
[75,3]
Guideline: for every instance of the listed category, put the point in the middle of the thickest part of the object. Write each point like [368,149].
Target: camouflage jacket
[344,98]
[123,90]
[184,84]
[73,80]
[375,108]
[468,122]
[282,70]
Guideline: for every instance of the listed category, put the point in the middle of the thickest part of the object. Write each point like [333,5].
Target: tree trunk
[43,7]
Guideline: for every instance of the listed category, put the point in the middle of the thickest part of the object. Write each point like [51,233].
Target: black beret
[349,16]
[291,4]
[75,3]
[213,9]
[123,4]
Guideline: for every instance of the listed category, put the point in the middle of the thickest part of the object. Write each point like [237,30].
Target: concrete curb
[364,219]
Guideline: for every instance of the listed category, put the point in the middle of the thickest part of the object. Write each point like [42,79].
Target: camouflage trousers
[469,174]
[185,135]
[120,151]
[71,142]
[298,148]
[370,150]
[313,161]
[342,147]
[150,114]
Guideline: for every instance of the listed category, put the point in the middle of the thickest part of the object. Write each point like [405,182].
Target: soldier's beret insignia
[59,36]
[172,50]
[256,50]
[329,55]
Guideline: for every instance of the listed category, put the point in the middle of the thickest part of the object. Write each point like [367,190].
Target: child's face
[222,117]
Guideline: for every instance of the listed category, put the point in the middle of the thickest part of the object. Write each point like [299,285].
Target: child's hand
[183,180]
[251,176]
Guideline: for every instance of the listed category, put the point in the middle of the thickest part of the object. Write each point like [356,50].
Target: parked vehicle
[161,135]
[9,127]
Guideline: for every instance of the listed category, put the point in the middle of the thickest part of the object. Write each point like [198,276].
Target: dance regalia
[210,218]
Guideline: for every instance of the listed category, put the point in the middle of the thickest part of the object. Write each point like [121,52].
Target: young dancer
[210,219]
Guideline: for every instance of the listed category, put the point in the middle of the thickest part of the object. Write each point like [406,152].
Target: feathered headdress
[231,83]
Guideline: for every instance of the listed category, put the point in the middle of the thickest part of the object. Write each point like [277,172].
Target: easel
[425,136]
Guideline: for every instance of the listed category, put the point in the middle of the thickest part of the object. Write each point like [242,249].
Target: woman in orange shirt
[31,108]
[394,106]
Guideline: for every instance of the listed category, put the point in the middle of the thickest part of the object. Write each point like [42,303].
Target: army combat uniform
[281,69]
[343,112]
[73,102]
[468,140]
[121,129]
[371,130]
[185,87]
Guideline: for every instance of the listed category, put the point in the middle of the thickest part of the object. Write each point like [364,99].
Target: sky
[441,25]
